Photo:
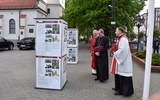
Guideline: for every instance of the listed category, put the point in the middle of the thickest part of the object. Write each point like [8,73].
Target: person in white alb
[122,65]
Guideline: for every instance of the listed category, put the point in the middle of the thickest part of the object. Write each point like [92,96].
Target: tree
[156,32]
[89,14]
[132,35]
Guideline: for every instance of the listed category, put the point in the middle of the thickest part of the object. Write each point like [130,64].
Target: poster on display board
[51,72]
[64,39]
[72,54]
[64,70]
[51,38]
[72,37]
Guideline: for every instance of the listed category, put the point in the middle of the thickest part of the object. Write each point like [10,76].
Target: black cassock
[124,85]
[102,60]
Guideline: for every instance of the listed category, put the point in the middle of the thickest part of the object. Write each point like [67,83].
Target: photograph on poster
[48,26]
[55,38]
[55,29]
[72,54]
[55,64]
[50,66]
[65,35]
[47,60]
[48,38]
[55,73]
[64,64]
[48,70]
[72,38]
[48,29]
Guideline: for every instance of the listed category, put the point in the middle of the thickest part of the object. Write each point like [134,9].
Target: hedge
[155,57]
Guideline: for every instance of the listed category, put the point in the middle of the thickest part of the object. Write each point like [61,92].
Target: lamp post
[138,22]
[112,23]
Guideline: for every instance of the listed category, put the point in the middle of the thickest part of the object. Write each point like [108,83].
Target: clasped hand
[97,54]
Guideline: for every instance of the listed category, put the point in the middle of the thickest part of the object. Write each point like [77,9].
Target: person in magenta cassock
[122,65]
[101,56]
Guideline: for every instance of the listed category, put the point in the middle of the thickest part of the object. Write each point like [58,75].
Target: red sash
[114,61]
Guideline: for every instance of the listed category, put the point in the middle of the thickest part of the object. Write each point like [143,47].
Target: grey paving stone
[17,79]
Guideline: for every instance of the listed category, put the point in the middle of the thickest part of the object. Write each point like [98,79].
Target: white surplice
[124,59]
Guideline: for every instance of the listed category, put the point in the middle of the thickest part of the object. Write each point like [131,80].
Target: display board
[72,46]
[51,53]
[51,72]
[72,37]
[51,39]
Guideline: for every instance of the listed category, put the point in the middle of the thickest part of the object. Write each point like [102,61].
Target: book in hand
[114,48]
[98,48]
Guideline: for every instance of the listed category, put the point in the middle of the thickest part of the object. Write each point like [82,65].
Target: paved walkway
[17,79]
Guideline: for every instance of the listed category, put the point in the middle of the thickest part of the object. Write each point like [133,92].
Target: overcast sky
[157,4]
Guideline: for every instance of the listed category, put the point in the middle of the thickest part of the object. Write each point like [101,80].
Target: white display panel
[72,55]
[48,73]
[64,39]
[72,46]
[72,37]
[49,42]
[51,39]
[64,70]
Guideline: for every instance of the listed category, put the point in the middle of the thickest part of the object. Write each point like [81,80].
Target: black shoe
[102,81]
[113,88]
[96,79]
[117,93]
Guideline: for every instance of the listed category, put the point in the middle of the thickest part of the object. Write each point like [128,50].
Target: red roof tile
[14,4]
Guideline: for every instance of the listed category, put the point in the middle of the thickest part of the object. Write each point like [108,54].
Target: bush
[141,54]
[155,57]
[156,60]
[156,32]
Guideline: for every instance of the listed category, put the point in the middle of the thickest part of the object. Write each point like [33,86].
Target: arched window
[12,26]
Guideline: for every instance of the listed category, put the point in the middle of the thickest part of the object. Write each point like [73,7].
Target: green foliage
[155,57]
[156,33]
[88,14]
[141,34]
[156,60]
[132,35]
[140,54]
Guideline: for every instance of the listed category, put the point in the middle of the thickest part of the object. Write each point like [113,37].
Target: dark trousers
[97,69]
[117,82]
[156,49]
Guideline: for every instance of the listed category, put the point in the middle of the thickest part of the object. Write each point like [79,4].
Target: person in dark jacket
[156,45]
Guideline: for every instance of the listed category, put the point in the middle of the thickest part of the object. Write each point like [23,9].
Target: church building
[17,16]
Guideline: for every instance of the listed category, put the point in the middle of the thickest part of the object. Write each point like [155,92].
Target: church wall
[29,30]
[22,22]
[60,2]
[1,21]
[25,27]
[9,14]
[55,11]
[42,6]
[41,15]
